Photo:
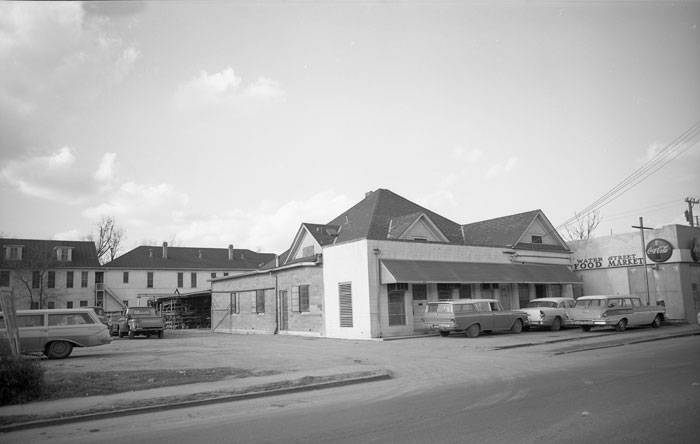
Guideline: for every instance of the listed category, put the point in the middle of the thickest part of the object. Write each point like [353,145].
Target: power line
[674,149]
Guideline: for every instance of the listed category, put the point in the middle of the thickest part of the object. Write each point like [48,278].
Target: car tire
[517,326]
[586,328]
[473,331]
[556,324]
[621,325]
[59,349]
[656,323]
[444,334]
[131,334]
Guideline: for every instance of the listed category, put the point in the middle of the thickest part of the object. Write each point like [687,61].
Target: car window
[614,302]
[588,303]
[439,308]
[482,306]
[464,308]
[636,302]
[539,304]
[70,319]
[30,320]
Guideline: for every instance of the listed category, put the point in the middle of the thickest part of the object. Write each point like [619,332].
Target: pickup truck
[615,311]
[140,321]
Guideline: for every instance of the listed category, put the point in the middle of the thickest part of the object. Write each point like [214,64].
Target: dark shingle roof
[145,257]
[501,231]
[322,233]
[83,255]
[370,218]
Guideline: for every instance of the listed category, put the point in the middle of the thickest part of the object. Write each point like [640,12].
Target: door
[420,303]
[284,310]
[99,289]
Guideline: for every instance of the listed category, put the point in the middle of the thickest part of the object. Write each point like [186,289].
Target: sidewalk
[312,377]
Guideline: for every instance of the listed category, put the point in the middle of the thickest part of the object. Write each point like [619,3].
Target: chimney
[277,260]
[230,252]
[165,250]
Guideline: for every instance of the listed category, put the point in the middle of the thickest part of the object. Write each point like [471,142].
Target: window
[13,252]
[445,290]
[30,320]
[225,273]
[260,301]
[125,277]
[536,239]
[60,319]
[52,279]
[303,298]
[345,303]
[399,286]
[465,291]
[193,280]
[397,309]
[51,305]
[83,279]
[69,304]
[149,279]
[69,279]
[213,275]
[36,279]
[63,254]
[180,279]
[420,292]
[5,278]
[34,305]
[234,306]
[83,303]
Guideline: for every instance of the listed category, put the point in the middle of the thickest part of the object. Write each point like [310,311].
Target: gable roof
[324,234]
[371,217]
[147,257]
[507,231]
[84,253]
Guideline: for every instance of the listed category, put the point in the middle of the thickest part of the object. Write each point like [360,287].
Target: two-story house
[50,273]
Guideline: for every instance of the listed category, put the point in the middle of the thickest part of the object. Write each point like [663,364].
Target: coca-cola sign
[659,250]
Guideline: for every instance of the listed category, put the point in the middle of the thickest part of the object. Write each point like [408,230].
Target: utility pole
[689,213]
[641,228]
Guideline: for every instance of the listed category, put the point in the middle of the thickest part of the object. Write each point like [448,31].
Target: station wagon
[472,316]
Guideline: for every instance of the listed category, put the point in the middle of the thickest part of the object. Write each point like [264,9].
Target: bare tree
[31,271]
[583,227]
[108,239]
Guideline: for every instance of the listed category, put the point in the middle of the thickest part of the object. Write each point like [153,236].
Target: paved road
[636,393]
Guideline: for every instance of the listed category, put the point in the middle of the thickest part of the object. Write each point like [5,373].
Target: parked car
[140,321]
[552,313]
[54,332]
[100,312]
[472,316]
[615,311]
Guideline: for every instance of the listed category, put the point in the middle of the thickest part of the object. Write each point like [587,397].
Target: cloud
[652,151]
[105,171]
[73,235]
[223,88]
[54,176]
[501,168]
[55,59]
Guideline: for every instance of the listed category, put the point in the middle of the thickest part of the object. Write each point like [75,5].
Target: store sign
[624,260]
[659,250]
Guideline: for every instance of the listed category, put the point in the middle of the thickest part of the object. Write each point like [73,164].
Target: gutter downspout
[278,303]
[377,252]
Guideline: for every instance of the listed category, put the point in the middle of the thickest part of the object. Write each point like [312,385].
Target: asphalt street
[646,392]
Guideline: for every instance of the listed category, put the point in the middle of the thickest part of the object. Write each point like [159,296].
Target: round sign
[659,250]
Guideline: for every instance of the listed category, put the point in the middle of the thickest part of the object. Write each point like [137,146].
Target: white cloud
[652,150]
[502,168]
[105,171]
[53,176]
[264,88]
[223,89]
[73,234]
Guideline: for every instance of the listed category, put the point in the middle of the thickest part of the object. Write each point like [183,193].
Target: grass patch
[71,385]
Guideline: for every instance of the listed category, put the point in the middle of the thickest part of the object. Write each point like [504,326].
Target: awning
[178,295]
[393,271]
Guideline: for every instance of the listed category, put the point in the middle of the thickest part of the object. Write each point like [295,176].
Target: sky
[205,124]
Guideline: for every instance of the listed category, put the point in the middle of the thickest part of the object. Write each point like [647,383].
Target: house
[175,278]
[665,272]
[369,272]
[50,273]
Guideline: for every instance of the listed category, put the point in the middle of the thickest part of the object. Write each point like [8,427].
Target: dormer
[13,252]
[415,227]
[64,254]
[541,235]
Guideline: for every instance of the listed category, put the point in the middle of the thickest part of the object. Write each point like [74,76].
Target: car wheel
[621,325]
[131,334]
[444,334]
[517,326]
[473,331]
[556,324]
[59,349]
[586,327]
[656,323]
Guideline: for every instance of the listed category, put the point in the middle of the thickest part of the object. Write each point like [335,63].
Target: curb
[383,375]
[636,341]
[553,341]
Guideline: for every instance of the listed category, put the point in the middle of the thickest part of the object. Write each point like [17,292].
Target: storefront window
[420,292]
[397,308]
